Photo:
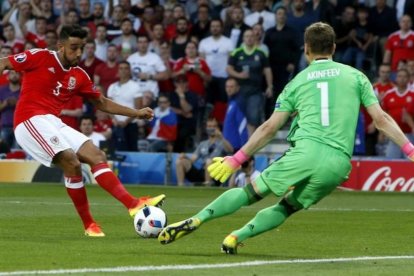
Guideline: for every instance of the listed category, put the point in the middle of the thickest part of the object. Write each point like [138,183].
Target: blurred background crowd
[210,69]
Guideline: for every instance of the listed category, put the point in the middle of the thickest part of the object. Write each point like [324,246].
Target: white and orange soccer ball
[149,221]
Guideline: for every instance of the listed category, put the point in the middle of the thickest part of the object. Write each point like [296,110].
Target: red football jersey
[394,103]
[195,81]
[401,47]
[46,84]
[75,102]
[381,88]
[36,39]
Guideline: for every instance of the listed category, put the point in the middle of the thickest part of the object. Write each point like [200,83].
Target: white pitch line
[202,266]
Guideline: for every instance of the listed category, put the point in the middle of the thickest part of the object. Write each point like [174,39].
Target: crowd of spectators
[198,59]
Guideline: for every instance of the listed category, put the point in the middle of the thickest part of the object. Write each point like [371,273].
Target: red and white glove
[222,168]
[408,150]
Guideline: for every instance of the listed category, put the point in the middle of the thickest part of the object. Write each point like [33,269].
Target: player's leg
[226,204]
[326,169]
[40,138]
[88,153]
[68,161]
[265,220]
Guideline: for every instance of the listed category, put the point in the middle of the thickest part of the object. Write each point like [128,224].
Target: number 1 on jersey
[323,87]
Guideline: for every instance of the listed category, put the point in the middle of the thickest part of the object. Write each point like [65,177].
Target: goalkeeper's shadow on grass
[216,253]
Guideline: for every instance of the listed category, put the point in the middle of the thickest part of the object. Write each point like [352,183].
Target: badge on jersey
[20,57]
[71,83]
[54,140]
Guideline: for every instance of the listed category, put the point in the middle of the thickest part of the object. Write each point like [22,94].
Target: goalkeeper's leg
[231,201]
[228,203]
[264,220]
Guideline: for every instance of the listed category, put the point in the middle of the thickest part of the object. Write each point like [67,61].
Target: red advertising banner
[381,176]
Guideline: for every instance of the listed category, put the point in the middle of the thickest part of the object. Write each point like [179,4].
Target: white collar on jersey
[57,59]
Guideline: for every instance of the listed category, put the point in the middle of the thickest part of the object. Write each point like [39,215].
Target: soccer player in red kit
[49,80]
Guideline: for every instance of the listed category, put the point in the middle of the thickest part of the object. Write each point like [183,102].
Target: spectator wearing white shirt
[147,69]
[216,50]
[125,92]
[19,15]
[260,15]
[101,42]
[86,127]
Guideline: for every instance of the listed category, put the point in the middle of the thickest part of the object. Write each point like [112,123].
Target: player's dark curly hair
[72,31]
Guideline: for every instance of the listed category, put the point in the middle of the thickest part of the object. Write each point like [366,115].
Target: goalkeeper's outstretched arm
[222,168]
[265,132]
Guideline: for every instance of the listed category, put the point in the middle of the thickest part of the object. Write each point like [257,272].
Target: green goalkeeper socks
[228,203]
[264,220]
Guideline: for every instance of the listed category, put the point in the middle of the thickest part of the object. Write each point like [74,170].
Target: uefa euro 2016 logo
[20,57]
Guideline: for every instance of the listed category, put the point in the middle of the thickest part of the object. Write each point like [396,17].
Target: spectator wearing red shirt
[107,73]
[384,82]
[195,69]
[167,85]
[399,104]
[90,62]
[71,112]
[381,86]
[148,21]
[9,34]
[98,17]
[103,124]
[38,38]
[400,44]
[171,29]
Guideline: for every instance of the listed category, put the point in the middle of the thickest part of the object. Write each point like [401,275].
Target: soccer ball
[149,221]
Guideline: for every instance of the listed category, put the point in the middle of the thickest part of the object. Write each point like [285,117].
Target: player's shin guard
[265,220]
[228,203]
[110,183]
[77,192]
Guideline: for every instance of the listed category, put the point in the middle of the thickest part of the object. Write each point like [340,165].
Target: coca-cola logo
[380,180]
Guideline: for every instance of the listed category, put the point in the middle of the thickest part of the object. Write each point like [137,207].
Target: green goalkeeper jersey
[326,96]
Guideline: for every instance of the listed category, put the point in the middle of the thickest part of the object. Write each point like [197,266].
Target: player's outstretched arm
[111,107]
[222,168]
[389,127]
[5,64]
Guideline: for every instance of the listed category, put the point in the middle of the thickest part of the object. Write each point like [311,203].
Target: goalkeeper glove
[408,150]
[222,168]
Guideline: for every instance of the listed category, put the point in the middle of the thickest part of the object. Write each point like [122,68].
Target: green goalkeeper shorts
[312,168]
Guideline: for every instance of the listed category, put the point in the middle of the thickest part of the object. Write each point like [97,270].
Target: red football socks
[77,192]
[110,183]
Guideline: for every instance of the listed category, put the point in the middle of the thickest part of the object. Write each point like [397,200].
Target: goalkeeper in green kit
[326,97]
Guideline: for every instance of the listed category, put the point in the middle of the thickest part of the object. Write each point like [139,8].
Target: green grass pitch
[41,233]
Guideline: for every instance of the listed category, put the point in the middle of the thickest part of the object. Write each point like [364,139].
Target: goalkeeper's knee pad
[251,194]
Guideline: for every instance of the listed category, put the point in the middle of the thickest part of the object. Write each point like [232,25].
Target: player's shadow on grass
[218,253]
